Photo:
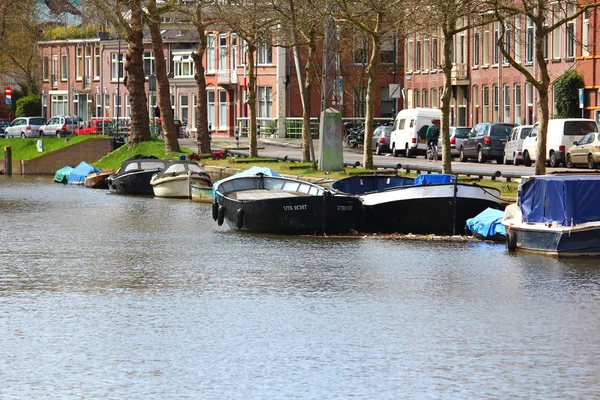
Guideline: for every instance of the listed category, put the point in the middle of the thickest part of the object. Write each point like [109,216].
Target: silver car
[381,139]
[513,150]
[457,135]
[60,125]
[24,127]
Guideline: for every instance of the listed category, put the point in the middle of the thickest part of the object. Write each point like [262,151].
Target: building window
[59,105]
[387,51]
[409,56]
[386,108]
[54,70]
[210,104]
[585,35]
[265,54]
[222,51]
[517,104]
[243,50]
[425,98]
[183,65]
[496,46]
[529,41]
[434,54]
[476,49]
[360,96]
[127,106]
[360,50]
[570,39]
[486,103]
[117,105]
[45,68]
[496,94]
[210,52]
[79,63]
[233,51]
[97,62]
[433,98]
[529,102]
[149,64]
[507,39]
[461,47]
[417,98]
[64,69]
[183,107]
[265,101]
[116,66]
[506,98]
[475,97]
[222,109]
[485,56]
[426,55]
[418,55]
[518,36]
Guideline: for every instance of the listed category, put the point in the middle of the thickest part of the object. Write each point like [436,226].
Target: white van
[407,136]
[561,135]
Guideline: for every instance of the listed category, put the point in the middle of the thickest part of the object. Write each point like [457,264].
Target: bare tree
[546,16]
[373,19]
[253,21]
[162,80]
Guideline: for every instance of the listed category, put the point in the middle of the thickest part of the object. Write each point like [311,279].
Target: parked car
[486,140]
[381,139]
[513,150]
[561,134]
[24,127]
[585,151]
[457,135]
[60,125]
[3,124]
[95,127]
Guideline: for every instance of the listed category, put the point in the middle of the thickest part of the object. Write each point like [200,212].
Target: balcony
[226,77]
[459,75]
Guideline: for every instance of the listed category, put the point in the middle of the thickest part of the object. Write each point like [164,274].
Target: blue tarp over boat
[487,224]
[62,175]
[433,179]
[370,183]
[568,200]
[78,174]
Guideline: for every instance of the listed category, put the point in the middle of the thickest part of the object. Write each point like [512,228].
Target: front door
[82,106]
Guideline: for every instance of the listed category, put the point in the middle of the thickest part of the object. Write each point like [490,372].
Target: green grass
[154,147]
[25,149]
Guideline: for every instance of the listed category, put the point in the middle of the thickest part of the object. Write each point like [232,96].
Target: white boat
[175,180]
[556,215]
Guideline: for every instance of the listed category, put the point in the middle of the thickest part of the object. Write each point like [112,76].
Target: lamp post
[118,88]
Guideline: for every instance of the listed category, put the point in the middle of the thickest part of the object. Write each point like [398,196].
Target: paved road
[292,148]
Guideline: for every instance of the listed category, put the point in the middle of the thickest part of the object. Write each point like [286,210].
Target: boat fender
[239,218]
[511,241]
[221,215]
[215,210]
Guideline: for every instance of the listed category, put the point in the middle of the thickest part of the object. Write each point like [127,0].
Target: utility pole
[331,157]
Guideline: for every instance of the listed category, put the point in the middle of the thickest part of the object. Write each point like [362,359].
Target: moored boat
[428,204]
[176,178]
[557,215]
[80,172]
[202,192]
[96,180]
[274,204]
[62,175]
[134,175]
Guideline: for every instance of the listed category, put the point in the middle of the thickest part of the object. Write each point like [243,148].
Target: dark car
[381,139]
[486,141]
[3,124]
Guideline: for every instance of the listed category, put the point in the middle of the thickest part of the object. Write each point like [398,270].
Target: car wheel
[462,156]
[41,134]
[591,162]
[408,152]
[22,135]
[516,160]
[505,160]
[526,159]
[480,156]
[500,160]
[553,161]
[569,161]
[395,152]
[378,149]
[57,134]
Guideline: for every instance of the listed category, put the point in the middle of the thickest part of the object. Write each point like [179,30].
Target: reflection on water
[107,296]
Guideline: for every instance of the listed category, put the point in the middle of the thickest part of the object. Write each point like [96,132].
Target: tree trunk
[251,96]
[446,99]
[544,110]
[162,81]
[136,80]
[306,89]
[201,106]
[370,106]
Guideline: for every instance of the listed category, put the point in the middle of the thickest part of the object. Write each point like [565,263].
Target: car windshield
[36,121]
[461,133]
[500,130]
[580,127]
[103,124]
[387,130]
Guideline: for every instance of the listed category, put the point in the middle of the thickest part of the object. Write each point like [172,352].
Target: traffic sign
[394,91]
[8,91]
[581,91]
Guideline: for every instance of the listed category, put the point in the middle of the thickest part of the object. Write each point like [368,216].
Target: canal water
[113,297]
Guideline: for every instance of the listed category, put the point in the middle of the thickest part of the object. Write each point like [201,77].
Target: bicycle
[432,153]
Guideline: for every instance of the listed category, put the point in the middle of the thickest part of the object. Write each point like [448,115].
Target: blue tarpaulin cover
[62,175]
[370,183]
[487,223]
[434,179]
[80,172]
[568,200]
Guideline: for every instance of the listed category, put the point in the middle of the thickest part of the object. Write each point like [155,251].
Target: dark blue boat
[558,215]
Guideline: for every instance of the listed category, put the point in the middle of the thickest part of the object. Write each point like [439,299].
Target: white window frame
[264,101]
[210,53]
[222,98]
[264,54]
[222,51]
[183,65]
[116,66]
[517,92]
[150,62]
[506,100]
[64,68]
[233,51]
[97,63]
[79,62]
[210,107]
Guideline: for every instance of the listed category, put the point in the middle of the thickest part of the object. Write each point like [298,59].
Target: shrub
[28,105]
[566,92]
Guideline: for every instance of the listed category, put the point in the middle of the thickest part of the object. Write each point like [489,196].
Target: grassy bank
[154,147]
[25,149]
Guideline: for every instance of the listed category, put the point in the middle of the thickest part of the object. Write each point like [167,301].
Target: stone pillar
[331,155]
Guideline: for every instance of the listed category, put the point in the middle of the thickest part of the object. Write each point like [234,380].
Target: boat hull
[97,180]
[558,242]
[292,215]
[202,193]
[175,186]
[137,182]
[426,209]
